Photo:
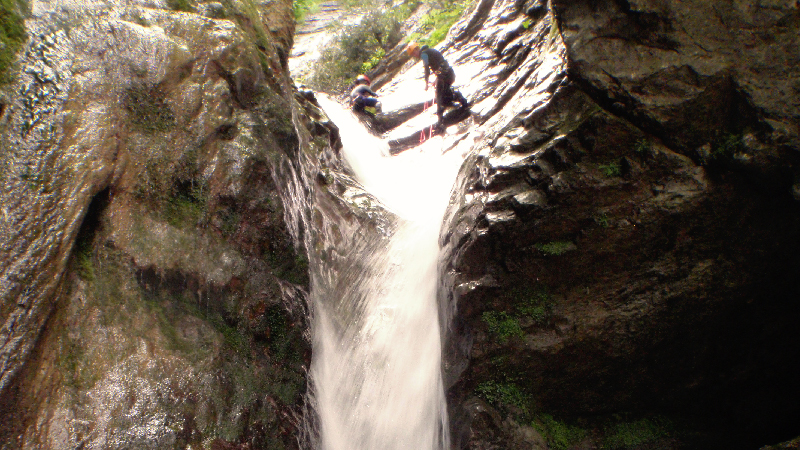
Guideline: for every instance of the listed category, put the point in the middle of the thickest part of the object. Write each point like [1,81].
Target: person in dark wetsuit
[434,62]
[362,96]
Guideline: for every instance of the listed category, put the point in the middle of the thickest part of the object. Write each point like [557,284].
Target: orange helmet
[412,48]
[362,79]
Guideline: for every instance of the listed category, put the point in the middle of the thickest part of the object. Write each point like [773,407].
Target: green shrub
[12,35]
[302,8]
[559,435]
[373,61]
[352,48]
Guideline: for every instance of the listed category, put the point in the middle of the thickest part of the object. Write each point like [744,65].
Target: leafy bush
[373,61]
[355,45]
[302,8]
[12,35]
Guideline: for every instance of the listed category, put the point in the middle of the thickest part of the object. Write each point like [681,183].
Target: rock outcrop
[622,246]
[153,273]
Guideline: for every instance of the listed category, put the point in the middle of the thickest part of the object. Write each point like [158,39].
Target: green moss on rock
[147,110]
[12,35]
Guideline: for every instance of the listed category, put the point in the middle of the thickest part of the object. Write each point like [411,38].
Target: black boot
[462,100]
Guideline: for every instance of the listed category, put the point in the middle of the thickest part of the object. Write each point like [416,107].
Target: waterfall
[376,373]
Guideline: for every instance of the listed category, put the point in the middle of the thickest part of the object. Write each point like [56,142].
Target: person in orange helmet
[434,62]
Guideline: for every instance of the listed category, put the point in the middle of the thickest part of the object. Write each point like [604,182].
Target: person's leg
[441,98]
[358,104]
[372,102]
[459,97]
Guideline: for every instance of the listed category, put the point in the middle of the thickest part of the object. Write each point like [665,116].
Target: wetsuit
[434,62]
[362,96]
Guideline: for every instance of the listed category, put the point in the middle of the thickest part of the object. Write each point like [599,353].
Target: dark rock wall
[626,248]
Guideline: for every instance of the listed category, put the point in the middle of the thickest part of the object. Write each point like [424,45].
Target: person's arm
[424,57]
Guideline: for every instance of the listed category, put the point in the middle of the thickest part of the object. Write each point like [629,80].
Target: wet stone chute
[376,369]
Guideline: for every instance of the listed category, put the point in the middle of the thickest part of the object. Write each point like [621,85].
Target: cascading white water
[376,370]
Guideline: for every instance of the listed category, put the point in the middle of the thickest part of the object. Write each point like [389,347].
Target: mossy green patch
[535,304]
[602,220]
[180,5]
[12,35]
[523,306]
[631,435]
[504,394]
[559,435]
[727,146]
[555,248]
[147,110]
[175,190]
[612,169]
[502,325]
[187,207]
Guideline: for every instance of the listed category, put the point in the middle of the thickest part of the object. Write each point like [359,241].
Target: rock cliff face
[153,274]
[623,244]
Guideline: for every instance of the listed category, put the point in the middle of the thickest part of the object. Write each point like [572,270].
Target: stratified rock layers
[623,245]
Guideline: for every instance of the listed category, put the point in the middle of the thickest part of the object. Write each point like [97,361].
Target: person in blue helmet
[362,97]
[434,62]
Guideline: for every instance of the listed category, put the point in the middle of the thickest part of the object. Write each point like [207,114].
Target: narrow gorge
[198,252]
